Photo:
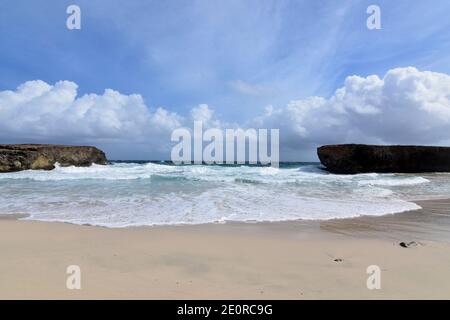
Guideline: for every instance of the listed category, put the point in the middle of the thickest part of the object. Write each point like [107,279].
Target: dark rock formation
[16,157]
[360,158]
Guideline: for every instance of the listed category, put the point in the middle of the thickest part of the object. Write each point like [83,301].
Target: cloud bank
[39,112]
[406,106]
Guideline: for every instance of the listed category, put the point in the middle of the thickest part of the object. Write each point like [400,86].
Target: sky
[137,70]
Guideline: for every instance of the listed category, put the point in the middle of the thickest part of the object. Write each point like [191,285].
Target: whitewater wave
[133,194]
[123,171]
[237,203]
[395,182]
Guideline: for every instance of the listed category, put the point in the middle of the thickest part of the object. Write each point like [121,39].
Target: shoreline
[284,260]
[433,215]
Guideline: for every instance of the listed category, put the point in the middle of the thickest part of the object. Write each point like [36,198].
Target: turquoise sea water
[157,193]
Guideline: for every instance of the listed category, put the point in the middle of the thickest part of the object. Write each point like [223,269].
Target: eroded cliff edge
[362,158]
[17,157]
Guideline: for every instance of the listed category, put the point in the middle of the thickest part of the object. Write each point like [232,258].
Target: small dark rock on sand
[408,244]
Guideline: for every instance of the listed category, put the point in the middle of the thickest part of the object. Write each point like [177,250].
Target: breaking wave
[134,194]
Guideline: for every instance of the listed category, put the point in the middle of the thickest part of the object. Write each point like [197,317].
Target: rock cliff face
[360,158]
[17,157]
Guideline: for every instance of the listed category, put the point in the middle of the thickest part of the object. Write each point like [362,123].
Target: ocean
[132,193]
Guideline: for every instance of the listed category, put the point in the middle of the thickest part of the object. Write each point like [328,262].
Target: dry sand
[291,260]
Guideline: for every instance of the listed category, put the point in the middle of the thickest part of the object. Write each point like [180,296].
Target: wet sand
[289,260]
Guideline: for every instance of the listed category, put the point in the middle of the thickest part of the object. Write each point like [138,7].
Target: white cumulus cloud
[37,109]
[406,106]
[39,112]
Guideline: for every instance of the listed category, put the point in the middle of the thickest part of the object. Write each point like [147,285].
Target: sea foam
[135,194]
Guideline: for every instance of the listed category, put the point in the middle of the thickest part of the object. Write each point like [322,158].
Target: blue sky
[238,57]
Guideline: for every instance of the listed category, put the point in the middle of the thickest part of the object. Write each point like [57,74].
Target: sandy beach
[289,260]
[228,150]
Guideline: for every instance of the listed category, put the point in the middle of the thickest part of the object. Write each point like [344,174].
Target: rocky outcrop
[17,157]
[360,158]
